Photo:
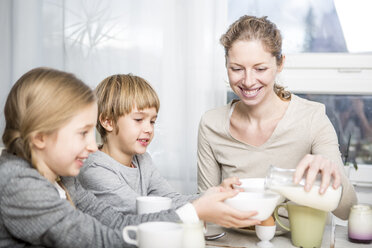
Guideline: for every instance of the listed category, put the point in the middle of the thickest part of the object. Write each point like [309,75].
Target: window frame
[328,73]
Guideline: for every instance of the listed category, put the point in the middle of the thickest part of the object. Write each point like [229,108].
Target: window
[328,59]
[314,26]
[351,116]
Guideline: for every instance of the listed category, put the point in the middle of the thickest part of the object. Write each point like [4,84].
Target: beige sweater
[304,129]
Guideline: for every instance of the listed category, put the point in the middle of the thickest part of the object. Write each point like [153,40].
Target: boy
[122,170]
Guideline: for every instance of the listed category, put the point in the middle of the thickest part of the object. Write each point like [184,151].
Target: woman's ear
[107,124]
[38,140]
[282,64]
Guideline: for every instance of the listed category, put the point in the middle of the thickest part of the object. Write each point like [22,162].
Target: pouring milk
[281,181]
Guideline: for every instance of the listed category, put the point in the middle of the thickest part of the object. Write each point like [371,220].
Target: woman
[267,125]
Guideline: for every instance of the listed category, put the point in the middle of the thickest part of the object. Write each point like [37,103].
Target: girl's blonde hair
[248,28]
[117,95]
[41,101]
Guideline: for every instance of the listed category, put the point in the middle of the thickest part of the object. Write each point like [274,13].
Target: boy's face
[136,131]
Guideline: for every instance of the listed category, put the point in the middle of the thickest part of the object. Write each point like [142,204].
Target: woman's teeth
[250,92]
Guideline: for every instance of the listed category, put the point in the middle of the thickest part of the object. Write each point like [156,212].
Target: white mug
[152,204]
[155,235]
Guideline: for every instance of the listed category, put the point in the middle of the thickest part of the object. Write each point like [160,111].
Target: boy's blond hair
[117,95]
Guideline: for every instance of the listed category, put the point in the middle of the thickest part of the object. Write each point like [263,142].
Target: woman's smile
[250,93]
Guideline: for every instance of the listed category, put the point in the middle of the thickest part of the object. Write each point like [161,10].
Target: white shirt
[61,191]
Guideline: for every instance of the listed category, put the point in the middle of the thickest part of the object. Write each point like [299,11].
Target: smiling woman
[266,124]
[252,72]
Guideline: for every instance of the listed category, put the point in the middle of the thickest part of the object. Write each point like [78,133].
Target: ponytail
[282,93]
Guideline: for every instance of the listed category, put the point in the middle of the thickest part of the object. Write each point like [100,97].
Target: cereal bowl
[262,202]
[256,185]
[251,184]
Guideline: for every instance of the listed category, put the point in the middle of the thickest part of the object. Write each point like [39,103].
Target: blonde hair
[248,28]
[41,101]
[117,95]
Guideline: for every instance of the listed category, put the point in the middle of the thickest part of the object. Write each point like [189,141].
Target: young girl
[122,170]
[50,117]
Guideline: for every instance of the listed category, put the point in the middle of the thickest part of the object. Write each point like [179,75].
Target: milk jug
[281,181]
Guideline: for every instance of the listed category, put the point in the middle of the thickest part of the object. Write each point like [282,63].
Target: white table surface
[236,239]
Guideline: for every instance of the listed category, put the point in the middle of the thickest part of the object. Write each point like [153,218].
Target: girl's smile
[80,161]
[144,142]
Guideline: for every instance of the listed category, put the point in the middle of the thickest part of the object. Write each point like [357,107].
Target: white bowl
[252,184]
[256,184]
[262,202]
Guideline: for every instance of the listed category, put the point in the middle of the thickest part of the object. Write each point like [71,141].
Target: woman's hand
[228,183]
[315,164]
[211,208]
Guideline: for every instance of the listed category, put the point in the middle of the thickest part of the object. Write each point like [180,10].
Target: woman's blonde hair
[117,95]
[41,101]
[248,28]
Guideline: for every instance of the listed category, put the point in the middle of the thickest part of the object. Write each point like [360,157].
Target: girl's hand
[315,164]
[211,208]
[228,183]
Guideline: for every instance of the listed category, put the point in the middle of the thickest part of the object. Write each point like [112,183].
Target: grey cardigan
[120,185]
[32,214]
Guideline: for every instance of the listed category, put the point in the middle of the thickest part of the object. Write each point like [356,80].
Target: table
[235,239]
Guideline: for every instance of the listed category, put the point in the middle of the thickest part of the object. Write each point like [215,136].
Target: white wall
[172,44]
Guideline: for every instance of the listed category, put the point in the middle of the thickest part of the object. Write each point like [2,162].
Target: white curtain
[174,44]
